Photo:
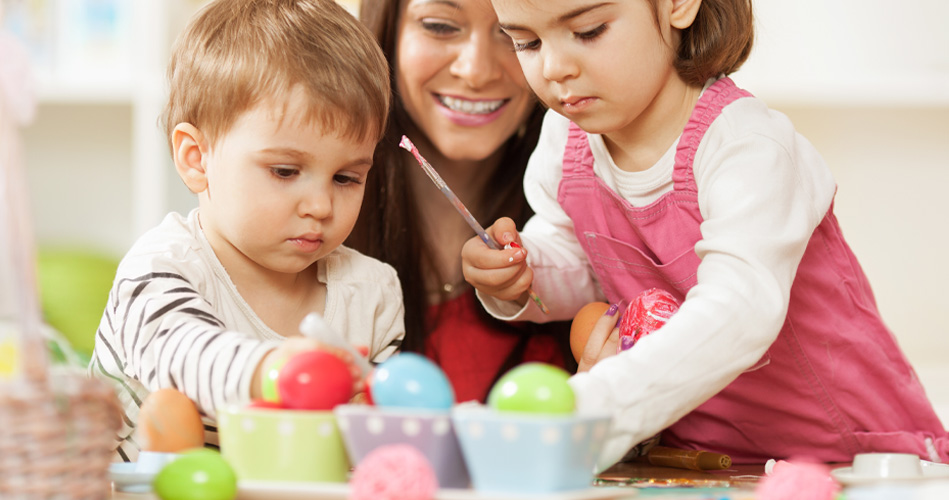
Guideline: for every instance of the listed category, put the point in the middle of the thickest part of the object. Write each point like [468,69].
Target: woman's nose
[477,61]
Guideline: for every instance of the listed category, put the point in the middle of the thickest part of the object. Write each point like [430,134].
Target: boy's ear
[683,13]
[189,150]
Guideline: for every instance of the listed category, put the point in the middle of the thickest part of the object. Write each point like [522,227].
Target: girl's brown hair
[717,43]
[235,53]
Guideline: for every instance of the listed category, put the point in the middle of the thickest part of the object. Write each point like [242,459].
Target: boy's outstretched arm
[502,274]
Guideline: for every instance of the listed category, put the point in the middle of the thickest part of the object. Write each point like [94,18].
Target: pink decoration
[648,312]
[797,479]
[394,472]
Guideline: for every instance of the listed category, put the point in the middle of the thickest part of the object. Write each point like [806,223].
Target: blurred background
[867,81]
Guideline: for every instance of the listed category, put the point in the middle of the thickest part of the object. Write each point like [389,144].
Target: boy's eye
[438,27]
[283,172]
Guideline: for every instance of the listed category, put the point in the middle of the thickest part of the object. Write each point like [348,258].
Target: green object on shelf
[74,288]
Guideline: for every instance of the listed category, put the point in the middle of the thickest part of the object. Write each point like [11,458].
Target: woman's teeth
[470,107]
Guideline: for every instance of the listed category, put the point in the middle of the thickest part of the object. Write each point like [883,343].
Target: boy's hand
[295,345]
[500,273]
[602,341]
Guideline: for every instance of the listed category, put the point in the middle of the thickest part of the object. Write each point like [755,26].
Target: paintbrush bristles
[406,144]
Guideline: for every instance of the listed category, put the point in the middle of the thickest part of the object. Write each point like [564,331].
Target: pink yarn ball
[393,472]
[796,480]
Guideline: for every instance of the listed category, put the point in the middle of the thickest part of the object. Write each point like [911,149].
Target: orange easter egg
[170,422]
[582,325]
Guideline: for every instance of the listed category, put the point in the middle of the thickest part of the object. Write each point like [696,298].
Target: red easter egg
[265,405]
[648,312]
[314,380]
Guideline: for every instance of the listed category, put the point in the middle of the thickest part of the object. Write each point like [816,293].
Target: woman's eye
[439,28]
[592,34]
[283,172]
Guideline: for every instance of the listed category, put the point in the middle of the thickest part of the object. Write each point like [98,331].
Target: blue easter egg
[409,380]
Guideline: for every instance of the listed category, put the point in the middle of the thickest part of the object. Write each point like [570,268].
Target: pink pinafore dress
[834,383]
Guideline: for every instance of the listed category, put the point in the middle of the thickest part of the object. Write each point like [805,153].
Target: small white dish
[125,477]
[930,470]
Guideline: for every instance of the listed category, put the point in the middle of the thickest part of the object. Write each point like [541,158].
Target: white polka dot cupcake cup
[529,453]
[283,445]
[365,428]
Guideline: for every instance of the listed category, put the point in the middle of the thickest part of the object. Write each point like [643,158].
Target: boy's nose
[316,203]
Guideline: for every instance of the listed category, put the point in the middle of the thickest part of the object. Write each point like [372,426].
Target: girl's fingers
[599,337]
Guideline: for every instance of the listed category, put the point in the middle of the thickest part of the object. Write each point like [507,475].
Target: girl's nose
[558,65]
[477,62]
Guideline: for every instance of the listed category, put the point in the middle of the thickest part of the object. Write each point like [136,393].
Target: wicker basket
[57,436]
[57,427]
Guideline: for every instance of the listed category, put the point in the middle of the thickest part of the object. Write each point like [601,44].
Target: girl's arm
[762,192]
[562,276]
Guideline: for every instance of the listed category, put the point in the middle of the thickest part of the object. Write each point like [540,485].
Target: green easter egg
[199,474]
[533,388]
[269,384]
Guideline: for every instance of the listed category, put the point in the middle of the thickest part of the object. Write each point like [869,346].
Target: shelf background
[867,81]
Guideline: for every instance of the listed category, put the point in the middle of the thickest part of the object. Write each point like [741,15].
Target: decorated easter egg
[410,380]
[314,380]
[394,471]
[648,312]
[582,325]
[533,388]
[200,474]
[268,386]
[169,422]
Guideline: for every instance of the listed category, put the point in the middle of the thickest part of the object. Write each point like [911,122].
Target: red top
[471,352]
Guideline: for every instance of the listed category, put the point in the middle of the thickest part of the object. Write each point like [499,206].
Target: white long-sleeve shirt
[762,190]
[175,319]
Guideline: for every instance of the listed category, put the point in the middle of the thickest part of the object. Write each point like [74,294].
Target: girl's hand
[296,345]
[502,274]
[602,341]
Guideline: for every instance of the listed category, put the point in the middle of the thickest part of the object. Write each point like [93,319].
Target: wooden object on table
[642,474]
[688,459]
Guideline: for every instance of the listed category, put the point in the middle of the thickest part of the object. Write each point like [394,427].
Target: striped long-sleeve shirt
[175,319]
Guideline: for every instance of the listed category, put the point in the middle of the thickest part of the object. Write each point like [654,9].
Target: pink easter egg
[648,312]
[394,472]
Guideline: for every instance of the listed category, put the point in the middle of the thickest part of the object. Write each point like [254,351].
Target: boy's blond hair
[236,53]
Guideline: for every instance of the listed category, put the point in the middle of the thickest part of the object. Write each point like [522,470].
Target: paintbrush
[460,207]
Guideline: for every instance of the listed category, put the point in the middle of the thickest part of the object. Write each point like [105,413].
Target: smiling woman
[463,100]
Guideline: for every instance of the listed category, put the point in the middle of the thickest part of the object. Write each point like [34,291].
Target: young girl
[654,170]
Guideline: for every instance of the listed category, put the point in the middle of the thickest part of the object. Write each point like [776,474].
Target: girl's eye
[526,46]
[592,34]
[438,28]
[283,172]
[345,180]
